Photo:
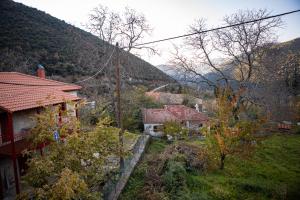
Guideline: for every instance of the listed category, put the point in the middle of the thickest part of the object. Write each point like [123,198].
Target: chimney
[197,107]
[41,71]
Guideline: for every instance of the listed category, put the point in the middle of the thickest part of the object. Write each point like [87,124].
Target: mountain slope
[276,55]
[29,37]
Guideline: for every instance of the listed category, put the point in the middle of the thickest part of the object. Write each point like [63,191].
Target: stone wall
[113,189]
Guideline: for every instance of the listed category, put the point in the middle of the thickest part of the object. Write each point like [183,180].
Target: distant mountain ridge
[29,37]
[276,52]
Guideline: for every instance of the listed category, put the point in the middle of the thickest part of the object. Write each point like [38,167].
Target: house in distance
[154,119]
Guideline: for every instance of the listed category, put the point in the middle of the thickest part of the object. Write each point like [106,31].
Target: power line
[162,40]
[100,69]
[218,28]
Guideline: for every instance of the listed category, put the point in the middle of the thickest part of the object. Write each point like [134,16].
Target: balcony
[17,137]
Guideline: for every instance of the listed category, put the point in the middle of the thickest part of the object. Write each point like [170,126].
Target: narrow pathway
[158,88]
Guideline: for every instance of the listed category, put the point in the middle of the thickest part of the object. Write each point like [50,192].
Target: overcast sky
[171,17]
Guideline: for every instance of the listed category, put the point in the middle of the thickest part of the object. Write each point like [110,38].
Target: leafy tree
[175,129]
[69,186]
[89,116]
[228,134]
[51,119]
[73,167]
[134,101]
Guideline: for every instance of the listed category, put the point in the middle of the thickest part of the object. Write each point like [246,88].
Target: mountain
[29,37]
[276,55]
[169,70]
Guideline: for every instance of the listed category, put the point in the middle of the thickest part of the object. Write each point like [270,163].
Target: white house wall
[71,109]
[75,93]
[149,129]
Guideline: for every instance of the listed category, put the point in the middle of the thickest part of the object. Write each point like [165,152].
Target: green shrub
[295,129]
[174,180]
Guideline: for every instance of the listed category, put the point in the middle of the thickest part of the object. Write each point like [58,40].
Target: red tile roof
[17,78]
[20,91]
[158,116]
[185,113]
[172,113]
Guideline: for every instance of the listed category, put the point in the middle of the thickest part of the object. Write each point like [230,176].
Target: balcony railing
[17,137]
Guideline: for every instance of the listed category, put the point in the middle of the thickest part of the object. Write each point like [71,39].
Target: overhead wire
[108,60]
[218,28]
[166,39]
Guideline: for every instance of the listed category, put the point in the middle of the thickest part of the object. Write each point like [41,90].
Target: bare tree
[245,44]
[104,23]
[241,48]
[128,28]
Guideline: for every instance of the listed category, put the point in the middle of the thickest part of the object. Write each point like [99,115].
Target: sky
[171,17]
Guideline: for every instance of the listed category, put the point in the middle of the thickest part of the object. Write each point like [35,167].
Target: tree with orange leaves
[228,133]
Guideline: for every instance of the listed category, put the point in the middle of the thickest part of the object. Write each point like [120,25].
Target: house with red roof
[21,97]
[154,119]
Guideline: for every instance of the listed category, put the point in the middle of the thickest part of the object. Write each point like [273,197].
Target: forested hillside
[29,37]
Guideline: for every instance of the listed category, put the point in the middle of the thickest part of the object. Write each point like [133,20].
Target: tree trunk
[222,161]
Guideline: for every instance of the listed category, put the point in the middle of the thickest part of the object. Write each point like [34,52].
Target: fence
[115,185]
[17,136]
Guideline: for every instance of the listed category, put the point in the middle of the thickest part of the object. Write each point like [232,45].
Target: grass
[272,172]
[136,181]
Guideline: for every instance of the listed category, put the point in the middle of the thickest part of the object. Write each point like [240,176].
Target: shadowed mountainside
[29,37]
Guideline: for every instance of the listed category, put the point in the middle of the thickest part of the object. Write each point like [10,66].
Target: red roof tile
[172,113]
[17,78]
[158,116]
[185,113]
[20,91]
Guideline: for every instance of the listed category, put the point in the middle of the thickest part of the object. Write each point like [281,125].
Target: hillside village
[84,116]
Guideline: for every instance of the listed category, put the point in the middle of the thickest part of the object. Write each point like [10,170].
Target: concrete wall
[149,129]
[75,93]
[111,190]
[192,125]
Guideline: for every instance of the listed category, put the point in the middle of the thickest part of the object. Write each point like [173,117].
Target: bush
[174,180]
[196,157]
[295,129]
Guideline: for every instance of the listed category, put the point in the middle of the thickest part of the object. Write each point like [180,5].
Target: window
[157,128]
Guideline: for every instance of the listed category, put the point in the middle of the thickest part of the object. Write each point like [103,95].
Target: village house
[21,97]
[155,118]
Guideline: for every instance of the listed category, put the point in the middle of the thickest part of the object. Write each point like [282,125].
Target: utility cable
[100,69]
[218,28]
[166,39]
